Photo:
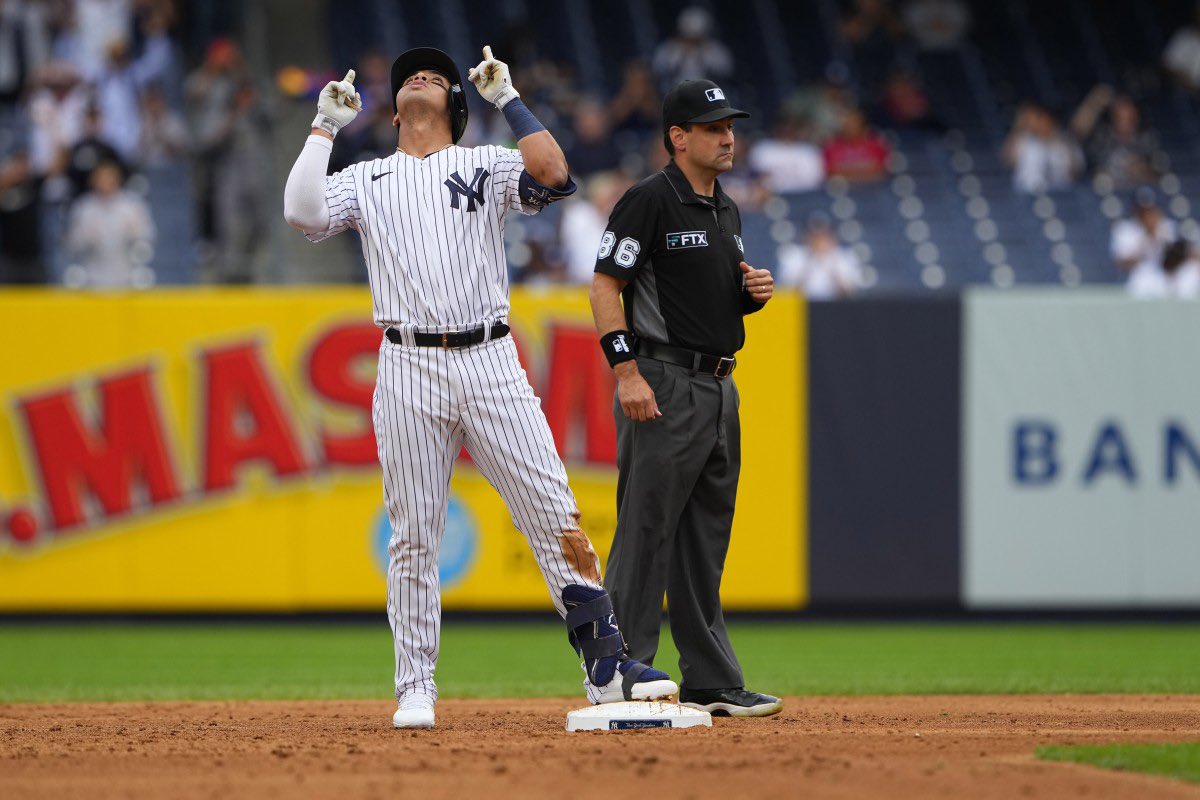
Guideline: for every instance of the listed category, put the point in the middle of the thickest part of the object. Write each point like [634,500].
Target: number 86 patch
[627,250]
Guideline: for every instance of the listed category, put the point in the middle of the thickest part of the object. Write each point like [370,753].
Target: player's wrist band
[521,119]
[617,347]
[504,96]
[327,124]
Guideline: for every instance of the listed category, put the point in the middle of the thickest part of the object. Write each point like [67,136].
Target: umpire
[673,253]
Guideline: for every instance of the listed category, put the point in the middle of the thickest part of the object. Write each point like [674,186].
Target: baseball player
[430,218]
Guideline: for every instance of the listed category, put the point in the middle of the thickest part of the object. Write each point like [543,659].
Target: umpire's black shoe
[730,702]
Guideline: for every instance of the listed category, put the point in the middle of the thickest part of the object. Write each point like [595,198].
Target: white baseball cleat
[415,711]
[632,680]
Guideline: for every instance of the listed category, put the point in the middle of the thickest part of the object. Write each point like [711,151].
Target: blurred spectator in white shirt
[787,160]
[1181,58]
[164,135]
[109,235]
[157,60]
[937,24]
[820,268]
[99,23]
[57,107]
[692,52]
[1178,277]
[583,224]
[1042,156]
[1138,242]
[117,97]
[120,83]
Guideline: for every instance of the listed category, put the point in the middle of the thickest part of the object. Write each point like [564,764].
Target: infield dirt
[819,747]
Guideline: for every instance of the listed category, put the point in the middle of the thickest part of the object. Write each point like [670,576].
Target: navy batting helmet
[433,59]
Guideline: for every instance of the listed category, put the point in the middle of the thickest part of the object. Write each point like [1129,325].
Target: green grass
[1180,761]
[158,661]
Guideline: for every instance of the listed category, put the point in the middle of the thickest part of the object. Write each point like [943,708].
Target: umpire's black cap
[696,101]
[431,58]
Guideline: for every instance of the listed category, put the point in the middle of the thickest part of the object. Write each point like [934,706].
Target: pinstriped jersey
[432,231]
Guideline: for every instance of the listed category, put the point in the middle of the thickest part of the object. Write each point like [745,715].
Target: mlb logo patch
[714,94]
[686,239]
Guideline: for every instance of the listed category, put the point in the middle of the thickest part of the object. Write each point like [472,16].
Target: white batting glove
[338,105]
[490,77]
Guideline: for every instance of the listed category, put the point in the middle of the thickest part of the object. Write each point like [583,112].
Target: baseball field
[303,710]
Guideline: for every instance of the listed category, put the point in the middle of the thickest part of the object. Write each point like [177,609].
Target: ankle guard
[592,631]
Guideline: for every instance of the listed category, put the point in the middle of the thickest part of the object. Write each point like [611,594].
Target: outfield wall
[211,450]
[1004,451]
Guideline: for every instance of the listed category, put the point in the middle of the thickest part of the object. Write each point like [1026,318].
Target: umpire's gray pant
[675,497]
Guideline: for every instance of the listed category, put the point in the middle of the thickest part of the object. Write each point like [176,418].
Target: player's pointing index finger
[349,76]
[487,52]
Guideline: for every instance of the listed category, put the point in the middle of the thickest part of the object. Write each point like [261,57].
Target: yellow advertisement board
[211,450]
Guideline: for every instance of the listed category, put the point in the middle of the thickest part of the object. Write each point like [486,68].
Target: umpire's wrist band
[617,347]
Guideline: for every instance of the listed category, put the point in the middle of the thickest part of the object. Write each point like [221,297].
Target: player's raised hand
[758,282]
[490,77]
[338,105]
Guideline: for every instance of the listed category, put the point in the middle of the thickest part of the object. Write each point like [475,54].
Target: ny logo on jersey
[472,191]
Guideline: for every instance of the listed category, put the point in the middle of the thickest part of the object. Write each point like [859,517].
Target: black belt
[451,339]
[717,366]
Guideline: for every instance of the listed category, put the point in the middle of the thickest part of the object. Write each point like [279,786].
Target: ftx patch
[686,239]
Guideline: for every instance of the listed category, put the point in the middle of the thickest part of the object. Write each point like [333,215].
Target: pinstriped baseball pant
[430,402]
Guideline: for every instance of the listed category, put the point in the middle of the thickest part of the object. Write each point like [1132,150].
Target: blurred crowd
[98,119]
[833,130]
[72,80]
[128,128]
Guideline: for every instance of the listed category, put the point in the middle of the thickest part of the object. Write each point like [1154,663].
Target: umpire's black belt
[452,339]
[717,366]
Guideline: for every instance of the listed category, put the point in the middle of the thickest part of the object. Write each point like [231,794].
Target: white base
[636,715]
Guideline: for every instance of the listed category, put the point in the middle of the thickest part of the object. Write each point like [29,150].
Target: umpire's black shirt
[680,254]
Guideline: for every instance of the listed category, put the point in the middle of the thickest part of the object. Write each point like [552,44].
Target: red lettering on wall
[579,389]
[126,445]
[245,418]
[331,370]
